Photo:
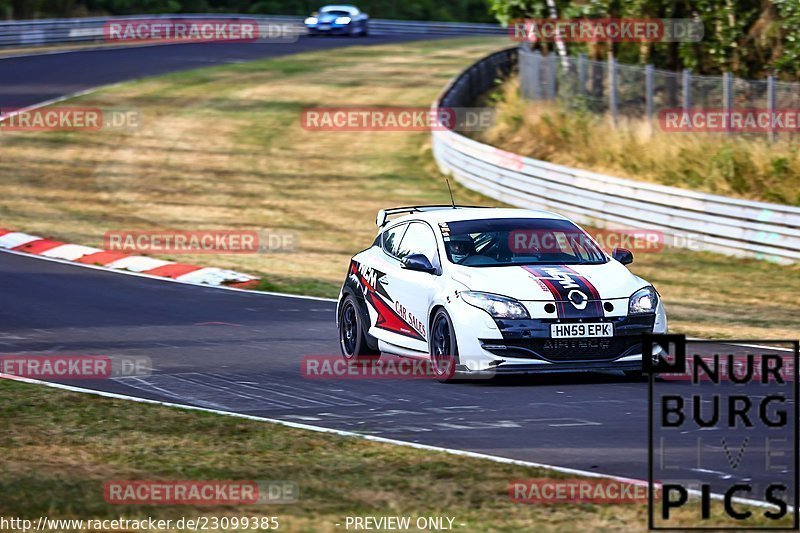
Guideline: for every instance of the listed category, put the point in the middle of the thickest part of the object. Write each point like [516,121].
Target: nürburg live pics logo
[723,433]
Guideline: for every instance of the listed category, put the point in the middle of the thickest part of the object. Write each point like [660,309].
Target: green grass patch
[58,449]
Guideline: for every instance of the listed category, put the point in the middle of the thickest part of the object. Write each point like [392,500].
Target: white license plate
[571,331]
[324,27]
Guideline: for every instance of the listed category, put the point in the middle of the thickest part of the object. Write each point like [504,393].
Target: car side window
[391,239]
[419,239]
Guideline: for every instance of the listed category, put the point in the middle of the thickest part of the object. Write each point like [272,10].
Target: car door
[414,291]
[386,323]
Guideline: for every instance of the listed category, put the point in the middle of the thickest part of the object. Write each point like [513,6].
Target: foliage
[750,38]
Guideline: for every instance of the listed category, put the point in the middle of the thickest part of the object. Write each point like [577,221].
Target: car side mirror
[419,263]
[623,255]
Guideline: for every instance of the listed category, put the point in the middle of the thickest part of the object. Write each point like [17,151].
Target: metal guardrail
[687,219]
[87,30]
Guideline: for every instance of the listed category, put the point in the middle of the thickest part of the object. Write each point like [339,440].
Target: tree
[750,38]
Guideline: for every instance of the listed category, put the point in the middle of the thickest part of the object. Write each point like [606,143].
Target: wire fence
[644,92]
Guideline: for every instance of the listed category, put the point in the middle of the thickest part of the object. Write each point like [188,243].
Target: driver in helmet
[460,247]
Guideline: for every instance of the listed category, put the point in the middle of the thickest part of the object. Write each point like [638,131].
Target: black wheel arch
[432,315]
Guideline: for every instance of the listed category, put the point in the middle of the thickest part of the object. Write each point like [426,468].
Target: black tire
[353,333]
[365,30]
[443,347]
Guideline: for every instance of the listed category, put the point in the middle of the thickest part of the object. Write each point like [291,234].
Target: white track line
[59,99]
[760,346]
[383,440]
[743,345]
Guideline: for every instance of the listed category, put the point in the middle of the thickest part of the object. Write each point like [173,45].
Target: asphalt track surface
[28,80]
[241,352]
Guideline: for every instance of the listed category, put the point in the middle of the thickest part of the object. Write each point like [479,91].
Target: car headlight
[497,306]
[342,20]
[311,20]
[643,301]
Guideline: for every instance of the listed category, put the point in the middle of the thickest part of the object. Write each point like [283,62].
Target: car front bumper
[488,347]
[328,29]
[511,368]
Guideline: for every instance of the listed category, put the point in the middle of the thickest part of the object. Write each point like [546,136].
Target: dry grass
[708,295]
[60,448]
[222,148]
[741,166]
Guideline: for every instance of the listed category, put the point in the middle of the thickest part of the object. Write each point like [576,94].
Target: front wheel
[443,347]
[353,334]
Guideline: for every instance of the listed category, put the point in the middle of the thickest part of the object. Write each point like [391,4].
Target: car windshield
[337,12]
[519,241]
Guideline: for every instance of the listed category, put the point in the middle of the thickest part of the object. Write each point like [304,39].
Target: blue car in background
[338,20]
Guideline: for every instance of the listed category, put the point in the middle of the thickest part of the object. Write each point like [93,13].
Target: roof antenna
[452,200]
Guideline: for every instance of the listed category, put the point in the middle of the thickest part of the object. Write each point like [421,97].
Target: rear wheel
[353,333]
[443,347]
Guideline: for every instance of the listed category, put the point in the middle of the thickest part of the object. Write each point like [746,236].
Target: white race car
[484,291]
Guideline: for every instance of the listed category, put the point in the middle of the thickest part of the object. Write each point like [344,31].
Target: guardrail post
[648,92]
[687,89]
[552,76]
[581,74]
[612,89]
[771,105]
[727,97]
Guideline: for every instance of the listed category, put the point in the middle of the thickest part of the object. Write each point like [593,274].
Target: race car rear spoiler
[384,214]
